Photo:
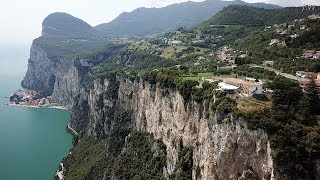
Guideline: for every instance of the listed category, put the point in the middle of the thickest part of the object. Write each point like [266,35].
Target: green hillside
[251,16]
[65,35]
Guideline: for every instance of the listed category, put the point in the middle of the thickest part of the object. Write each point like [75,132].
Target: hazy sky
[21,19]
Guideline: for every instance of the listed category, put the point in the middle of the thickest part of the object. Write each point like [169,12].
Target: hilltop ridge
[152,21]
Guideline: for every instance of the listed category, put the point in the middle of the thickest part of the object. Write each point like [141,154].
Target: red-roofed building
[304,82]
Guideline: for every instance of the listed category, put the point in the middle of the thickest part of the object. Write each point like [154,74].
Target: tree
[287,93]
[304,115]
[312,93]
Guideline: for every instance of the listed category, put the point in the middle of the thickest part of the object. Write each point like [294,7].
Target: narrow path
[290,76]
[73,131]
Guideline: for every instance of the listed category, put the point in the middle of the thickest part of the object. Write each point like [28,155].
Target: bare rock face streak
[224,150]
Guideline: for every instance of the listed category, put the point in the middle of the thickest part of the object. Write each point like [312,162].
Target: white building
[227,87]
[175,42]
[274,41]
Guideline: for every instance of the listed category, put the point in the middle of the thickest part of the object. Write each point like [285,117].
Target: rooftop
[225,86]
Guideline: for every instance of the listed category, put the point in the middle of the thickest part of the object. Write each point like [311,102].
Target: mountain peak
[63,24]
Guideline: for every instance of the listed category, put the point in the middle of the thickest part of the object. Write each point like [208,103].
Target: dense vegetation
[138,160]
[257,17]
[292,126]
[188,88]
[183,170]
[64,35]
[151,21]
[309,39]
[141,157]
[247,71]
[62,25]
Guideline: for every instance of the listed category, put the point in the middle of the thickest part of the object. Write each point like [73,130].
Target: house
[175,42]
[268,63]
[308,75]
[268,93]
[222,57]
[294,36]
[304,82]
[316,55]
[277,42]
[17,96]
[300,73]
[226,67]
[201,58]
[227,87]
[242,56]
[274,41]
[308,53]
[311,75]
[251,79]
[314,16]
[285,32]
[291,26]
[279,30]
[197,41]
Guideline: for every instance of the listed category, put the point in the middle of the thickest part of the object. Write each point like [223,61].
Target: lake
[32,141]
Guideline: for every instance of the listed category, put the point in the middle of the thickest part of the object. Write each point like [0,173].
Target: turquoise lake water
[32,141]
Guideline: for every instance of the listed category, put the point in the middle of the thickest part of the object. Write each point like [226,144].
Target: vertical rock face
[56,77]
[227,150]
[41,72]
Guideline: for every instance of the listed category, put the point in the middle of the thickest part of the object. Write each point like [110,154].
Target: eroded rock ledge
[222,145]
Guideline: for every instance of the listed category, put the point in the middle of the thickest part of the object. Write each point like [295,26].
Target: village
[32,99]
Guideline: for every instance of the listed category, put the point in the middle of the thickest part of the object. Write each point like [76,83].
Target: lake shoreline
[44,107]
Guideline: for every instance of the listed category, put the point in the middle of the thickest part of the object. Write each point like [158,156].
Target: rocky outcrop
[41,74]
[52,76]
[227,150]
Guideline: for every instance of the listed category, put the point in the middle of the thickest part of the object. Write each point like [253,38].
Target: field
[251,105]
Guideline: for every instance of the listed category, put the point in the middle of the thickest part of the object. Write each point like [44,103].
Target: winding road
[290,76]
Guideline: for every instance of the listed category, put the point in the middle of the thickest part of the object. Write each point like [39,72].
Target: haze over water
[32,141]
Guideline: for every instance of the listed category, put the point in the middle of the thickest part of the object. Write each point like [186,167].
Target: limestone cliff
[226,150]
[58,77]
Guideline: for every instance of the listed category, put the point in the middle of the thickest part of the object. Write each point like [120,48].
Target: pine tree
[312,93]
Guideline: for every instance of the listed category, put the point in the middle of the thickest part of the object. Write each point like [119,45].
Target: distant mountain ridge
[252,16]
[65,35]
[150,21]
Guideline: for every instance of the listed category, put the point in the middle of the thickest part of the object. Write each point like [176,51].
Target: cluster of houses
[311,54]
[290,29]
[21,97]
[226,54]
[277,42]
[252,87]
[314,16]
[229,55]
[307,77]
